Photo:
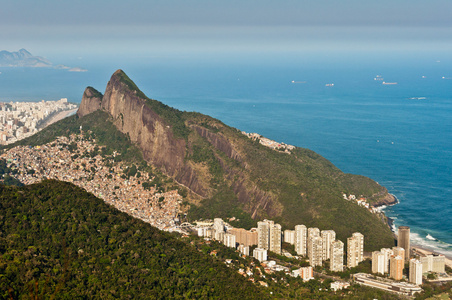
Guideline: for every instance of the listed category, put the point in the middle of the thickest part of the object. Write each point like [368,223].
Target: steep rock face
[234,173]
[133,116]
[219,142]
[256,201]
[91,101]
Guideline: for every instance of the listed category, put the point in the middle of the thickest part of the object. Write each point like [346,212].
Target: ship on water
[388,83]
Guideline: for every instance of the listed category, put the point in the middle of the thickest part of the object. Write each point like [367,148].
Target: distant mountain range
[23,58]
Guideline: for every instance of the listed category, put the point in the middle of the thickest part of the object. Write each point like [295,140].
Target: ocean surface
[400,134]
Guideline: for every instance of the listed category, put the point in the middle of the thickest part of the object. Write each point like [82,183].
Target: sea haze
[398,135]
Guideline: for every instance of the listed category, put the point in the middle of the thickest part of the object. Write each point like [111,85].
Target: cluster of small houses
[269,143]
[55,161]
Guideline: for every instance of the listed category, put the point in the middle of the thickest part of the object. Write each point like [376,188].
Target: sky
[99,27]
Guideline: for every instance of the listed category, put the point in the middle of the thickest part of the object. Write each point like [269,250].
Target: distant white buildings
[339,285]
[289,236]
[260,254]
[269,236]
[387,254]
[19,120]
[312,232]
[337,256]
[433,263]
[229,240]
[415,271]
[300,239]
[328,237]
[355,249]
[315,250]
[269,143]
[378,262]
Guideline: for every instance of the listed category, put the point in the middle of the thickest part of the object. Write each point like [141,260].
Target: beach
[423,251]
[58,116]
[420,250]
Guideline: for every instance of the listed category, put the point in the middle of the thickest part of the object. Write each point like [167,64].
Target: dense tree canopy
[58,240]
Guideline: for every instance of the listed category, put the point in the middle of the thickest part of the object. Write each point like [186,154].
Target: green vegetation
[300,188]
[57,240]
[223,204]
[436,291]
[291,189]
[95,93]
[5,174]
[307,187]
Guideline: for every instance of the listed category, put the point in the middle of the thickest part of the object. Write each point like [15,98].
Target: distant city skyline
[116,27]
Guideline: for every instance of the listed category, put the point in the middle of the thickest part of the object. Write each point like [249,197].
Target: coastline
[423,250]
[382,205]
[58,116]
[416,248]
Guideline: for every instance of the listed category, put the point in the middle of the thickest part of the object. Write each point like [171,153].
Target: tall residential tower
[403,240]
[355,249]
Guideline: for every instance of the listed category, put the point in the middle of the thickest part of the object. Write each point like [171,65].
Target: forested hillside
[56,240]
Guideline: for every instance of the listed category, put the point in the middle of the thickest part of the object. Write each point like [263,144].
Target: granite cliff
[91,101]
[232,175]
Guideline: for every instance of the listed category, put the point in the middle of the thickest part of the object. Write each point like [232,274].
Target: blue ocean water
[399,135]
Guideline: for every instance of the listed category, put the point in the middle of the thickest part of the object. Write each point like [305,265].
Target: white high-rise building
[229,240]
[312,232]
[269,236]
[337,256]
[328,237]
[219,236]
[387,253]
[433,263]
[245,250]
[218,225]
[355,249]
[301,239]
[415,271]
[315,251]
[275,239]
[260,254]
[263,234]
[289,236]
[378,262]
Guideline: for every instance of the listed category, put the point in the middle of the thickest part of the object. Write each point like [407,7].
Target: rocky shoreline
[391,200]
[388,200]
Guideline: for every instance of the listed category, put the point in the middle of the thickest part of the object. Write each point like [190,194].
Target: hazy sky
[113,26]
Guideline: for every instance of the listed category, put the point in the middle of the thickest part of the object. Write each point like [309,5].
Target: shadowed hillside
[58,241]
